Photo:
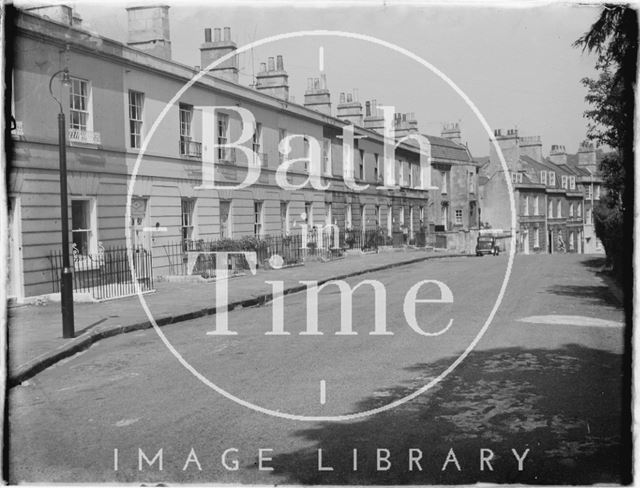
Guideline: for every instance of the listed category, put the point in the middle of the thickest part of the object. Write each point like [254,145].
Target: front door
[15,287]
[139,220]
[525,242]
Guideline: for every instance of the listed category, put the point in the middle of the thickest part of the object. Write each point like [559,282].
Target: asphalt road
[549,385]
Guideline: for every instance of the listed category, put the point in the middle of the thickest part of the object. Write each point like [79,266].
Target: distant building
[554,195]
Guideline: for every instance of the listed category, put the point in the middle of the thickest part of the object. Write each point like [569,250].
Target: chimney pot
[271,63]
[216,34]
[355,94]
[342,99]
[207,34]
[349,98]
[227,33]
[279,63]
[263,67]
[309,84]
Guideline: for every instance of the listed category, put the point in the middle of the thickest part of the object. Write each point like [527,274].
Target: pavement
[35,331]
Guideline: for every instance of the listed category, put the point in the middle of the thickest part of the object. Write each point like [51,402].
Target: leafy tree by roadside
[614,38]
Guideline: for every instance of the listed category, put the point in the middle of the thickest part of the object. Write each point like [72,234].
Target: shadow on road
[587,294]
[597,263]
[562,404]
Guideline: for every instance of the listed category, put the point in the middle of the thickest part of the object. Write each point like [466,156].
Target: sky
[516,64]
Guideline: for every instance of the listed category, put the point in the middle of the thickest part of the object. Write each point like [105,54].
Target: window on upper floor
[443,183]
[401,172]
[572,182]
[559,209]
[326,156]
[307,152]
[543,177]
[282,134]
[565,182]
[411,180]
[525,205]
[516,177]
[256,143]
[552,178]
[136,107]
[361,173]
[579,209]
[536,205]
[597,192]
[188,147]
[471,182]
[550,209]
[81,110]
[376,169]
[222,136]
[571,209]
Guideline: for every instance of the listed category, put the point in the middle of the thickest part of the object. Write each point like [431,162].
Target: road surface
[538,400]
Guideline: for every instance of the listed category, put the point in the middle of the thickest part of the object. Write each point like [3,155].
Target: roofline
[179,71]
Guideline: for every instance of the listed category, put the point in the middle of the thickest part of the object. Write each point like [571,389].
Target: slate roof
[444,149]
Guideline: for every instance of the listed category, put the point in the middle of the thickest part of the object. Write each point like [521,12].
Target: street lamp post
[66,282]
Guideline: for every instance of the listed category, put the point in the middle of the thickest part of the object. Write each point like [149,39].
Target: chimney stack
[405,124]
[558,154]
[373,117]
[531,146]
[452,132]
[213,50]
[508,142]
[149,30]
[349,108]
[317,97]
[273,79]
[587,157]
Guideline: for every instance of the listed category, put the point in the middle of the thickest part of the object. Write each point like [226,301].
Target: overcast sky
[516,64]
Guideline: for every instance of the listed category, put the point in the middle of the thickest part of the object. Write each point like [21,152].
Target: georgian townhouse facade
[117,91]
[553,213]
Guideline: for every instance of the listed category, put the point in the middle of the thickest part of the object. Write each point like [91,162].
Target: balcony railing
[190,148]
[84,136]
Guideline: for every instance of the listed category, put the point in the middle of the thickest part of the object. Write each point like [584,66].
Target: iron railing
[84,136]
[107,273]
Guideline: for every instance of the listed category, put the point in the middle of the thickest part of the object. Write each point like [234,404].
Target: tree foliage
[614,39]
